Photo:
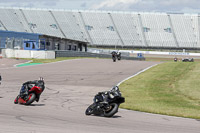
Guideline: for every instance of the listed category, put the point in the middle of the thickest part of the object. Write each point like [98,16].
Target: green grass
[171,88]
[41,61]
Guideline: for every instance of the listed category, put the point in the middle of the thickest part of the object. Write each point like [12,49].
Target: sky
[178,6]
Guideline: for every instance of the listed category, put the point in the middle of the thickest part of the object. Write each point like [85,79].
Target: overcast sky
[186,6]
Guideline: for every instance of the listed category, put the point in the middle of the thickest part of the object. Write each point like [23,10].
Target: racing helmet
[41,80]
[115,91]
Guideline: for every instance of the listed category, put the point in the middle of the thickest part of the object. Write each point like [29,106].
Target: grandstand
[108,29]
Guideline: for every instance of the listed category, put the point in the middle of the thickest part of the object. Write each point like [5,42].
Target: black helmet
[41,80]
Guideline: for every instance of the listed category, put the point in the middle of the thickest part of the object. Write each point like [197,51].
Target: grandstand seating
[129,28]
[9,21]
[41,22]
[68,25]
[104,28]
[195,26]
[159,30]
[22,19]
[101,28]
[183,28]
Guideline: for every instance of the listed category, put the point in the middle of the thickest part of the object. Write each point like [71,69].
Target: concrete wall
[10,53]
[64,53]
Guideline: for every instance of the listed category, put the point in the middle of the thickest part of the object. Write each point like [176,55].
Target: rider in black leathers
[114,55]
[105,96]
[26,87]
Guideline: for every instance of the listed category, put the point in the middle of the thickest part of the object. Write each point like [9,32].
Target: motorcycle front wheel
[89,110]
[31,99]
[113,110]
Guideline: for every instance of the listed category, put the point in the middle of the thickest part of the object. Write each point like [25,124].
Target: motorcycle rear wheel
[112,111]
[32,97]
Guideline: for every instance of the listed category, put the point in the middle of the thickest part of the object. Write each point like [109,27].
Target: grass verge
[52,60]
[41,61]
[171,88]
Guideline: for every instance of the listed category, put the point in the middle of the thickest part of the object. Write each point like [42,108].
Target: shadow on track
[37,105]
[115,116]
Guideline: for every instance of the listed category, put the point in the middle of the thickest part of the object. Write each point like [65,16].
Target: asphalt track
[70,87]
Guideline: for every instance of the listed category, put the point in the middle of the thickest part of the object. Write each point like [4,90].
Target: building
[34,41]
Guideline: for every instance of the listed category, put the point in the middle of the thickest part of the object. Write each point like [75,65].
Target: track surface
[70,87]
[7,63]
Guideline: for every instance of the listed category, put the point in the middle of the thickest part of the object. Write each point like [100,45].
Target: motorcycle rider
[118,55]
[114,55]
[175,59]
[26,87]
[106,95]
[106,103]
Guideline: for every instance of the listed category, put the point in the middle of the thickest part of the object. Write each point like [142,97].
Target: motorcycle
[106,103]
[175,59]
[119,56]
[114,56]
[33,95]
[188,60]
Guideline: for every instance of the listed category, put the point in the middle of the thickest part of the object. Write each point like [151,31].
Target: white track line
[136,74]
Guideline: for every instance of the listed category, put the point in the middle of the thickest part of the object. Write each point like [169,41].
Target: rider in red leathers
[26,87]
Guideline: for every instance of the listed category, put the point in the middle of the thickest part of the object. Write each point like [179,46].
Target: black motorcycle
[188,60]
[114,56]
[175,59]
[106,103]
[119,56]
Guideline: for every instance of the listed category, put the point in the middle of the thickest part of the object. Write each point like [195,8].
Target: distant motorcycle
[175,59]
[188,60]
[106,103]
[118,55]
[114,56]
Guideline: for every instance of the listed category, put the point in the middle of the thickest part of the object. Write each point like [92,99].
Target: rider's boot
[16,100]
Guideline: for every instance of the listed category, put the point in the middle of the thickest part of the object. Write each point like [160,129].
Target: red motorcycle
[33,95]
